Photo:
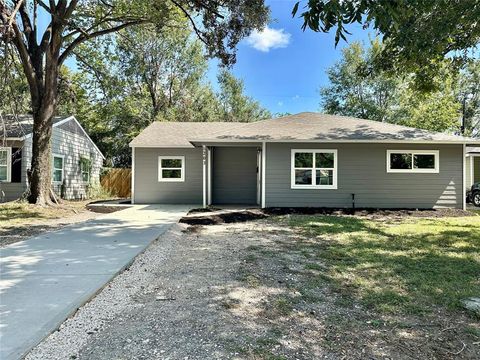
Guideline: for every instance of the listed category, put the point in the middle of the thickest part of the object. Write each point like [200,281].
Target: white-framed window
[413,161]
[314,169]
[5,164]
[85,168]
[171,168]
[58,166]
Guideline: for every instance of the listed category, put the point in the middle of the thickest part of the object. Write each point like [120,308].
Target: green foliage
[358,88]
[418,35]
[141,75]
[15,98]
[234,104]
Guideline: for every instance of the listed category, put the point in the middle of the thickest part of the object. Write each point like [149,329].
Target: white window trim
[162,179]
[9,164]
[63,167]
[81,172]
[435,170]
[312,186]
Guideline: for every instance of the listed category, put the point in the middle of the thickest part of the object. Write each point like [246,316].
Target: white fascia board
[460,142]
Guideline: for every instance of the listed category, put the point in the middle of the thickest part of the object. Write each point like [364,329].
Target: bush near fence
[118,182]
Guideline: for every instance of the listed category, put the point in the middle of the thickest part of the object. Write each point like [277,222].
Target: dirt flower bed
[289,287]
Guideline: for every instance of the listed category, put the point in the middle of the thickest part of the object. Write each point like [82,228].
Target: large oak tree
[219,25]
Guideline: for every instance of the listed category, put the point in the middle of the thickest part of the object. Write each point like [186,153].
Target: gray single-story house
[303,160]
[76,160]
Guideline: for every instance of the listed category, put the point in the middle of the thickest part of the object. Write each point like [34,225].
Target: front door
[234,175]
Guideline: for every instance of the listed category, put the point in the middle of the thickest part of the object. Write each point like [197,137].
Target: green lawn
[407,266]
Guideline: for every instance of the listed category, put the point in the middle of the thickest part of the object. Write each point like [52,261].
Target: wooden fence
[118,182]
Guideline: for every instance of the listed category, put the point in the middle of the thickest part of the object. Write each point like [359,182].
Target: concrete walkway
[45,279]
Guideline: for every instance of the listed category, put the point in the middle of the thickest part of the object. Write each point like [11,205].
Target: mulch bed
[214,216]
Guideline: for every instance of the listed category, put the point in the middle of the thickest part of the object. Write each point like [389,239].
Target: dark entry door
[234,179]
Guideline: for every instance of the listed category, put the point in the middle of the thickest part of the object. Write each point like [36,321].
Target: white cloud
[280,103]
[268,39]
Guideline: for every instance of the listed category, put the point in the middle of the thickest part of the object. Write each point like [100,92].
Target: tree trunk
[40,174]
[43,104]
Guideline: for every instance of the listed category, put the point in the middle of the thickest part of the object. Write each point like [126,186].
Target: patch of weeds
[283,306]
[345,301]
[409,266]
[230,303]
[250,258]
[387,301]
[250,279]
[475,332]
[314,266]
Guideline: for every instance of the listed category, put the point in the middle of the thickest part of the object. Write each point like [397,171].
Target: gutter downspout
[133,176]
[464,191]
[204,160]
[264,156]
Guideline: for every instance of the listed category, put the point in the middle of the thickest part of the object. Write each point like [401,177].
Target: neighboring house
[303,160]
[472,165]
[76,160]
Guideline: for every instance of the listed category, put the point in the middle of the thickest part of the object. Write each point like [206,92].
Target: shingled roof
[20,125]
[177,134]
[306,126]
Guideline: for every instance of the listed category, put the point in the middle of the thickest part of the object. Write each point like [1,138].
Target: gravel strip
[115,299]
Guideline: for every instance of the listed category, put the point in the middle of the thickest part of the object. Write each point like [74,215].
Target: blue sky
[287,78]
[282,67]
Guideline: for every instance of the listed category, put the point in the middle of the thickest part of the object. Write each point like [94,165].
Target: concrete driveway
[45,279]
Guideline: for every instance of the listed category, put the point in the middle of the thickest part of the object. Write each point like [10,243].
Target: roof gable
[21,127]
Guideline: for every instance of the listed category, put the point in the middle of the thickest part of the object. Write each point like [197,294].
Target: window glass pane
[57,175]
[3,173]
[324,177]
[324,160]
[424,161]
[172,174]
[303,160]
[171,163]
[58,163]
[400,161]
[3,157]
[85,176]
[303,177]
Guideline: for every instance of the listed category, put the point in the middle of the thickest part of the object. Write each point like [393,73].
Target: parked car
[473,196]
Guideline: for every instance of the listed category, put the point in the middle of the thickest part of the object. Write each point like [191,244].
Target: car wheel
[476,198]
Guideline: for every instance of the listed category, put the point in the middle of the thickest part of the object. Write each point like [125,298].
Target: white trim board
[314,141]
[133,178]
[56,155]
[9,163]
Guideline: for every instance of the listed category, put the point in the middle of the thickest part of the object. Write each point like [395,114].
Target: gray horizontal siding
[13,191]
[362,170]
[74,146]
[149,190]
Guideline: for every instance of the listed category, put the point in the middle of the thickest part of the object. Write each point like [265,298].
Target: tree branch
[14,12]
[195,28]
[82,38]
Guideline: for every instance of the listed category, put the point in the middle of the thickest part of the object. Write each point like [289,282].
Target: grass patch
[408,266]
[21,213]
